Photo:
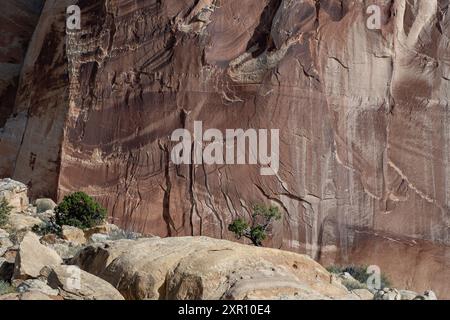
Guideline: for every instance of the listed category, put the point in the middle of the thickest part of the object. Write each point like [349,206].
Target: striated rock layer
[363,116]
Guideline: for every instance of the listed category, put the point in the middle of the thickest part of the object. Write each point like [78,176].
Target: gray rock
[65,249]
[98,237]
[31,285]
[44,205]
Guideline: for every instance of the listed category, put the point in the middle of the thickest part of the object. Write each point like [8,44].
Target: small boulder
[98,237]
[73,234]
[42,205]
[33,256]
[76,284]
[430,295]
[102,229]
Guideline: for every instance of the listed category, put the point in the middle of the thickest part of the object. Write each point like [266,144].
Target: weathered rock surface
[32,257]
[4,233]
[87,287]
[363,118]
[363,294]
[73,234]
[15,193]
[21,222]
[5,244]
[19,19]
[205,268]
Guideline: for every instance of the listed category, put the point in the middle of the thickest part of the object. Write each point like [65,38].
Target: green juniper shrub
[261,221]
[353,285]
[359,273]
[334,269]
[5,210]
[79,210]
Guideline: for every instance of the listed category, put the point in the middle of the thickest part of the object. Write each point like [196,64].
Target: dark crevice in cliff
[170,225]
[317,21]
[262,35]
[194,209]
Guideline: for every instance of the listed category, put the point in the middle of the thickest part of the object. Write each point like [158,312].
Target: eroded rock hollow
[363,116]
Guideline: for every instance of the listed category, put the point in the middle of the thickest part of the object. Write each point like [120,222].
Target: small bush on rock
[5,210]
[79,210]
[257,230]
[360,274]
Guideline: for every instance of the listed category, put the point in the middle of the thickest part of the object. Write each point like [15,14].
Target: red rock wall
[363,118]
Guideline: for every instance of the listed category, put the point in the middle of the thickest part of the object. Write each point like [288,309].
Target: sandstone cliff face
[19,19]
[363,117]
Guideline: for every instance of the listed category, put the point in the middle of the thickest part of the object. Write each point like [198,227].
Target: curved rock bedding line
[363,118]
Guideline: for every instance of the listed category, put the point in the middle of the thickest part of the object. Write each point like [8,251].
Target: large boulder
[15,193]
[76,284]
[33,256]
[205,268]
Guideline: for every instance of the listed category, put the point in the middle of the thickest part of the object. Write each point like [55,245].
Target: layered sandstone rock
[18,22]
[33,256]
[363,118]
[203,268]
